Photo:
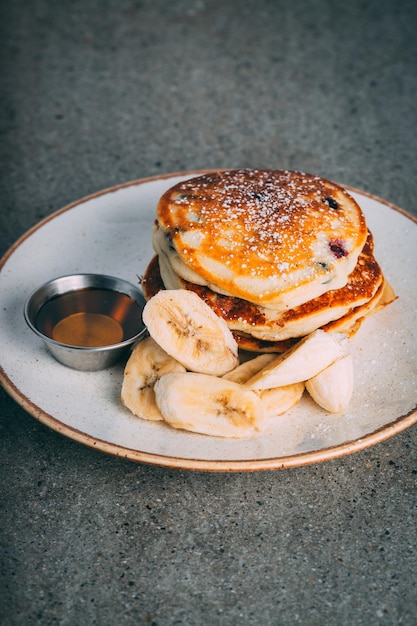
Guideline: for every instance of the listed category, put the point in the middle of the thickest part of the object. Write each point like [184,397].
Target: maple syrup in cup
[88,329]
[87,320]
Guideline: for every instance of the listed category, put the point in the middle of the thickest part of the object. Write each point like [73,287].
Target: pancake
[348,323]
[274,238]
[246,318]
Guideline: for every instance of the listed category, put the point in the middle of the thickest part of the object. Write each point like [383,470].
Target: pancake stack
[277,254]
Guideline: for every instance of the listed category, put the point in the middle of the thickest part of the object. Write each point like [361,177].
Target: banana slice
[246,370]
[303,361]
[209,405]
[146,364]
[185,327]
[281,399]
[275,401]
[333,387]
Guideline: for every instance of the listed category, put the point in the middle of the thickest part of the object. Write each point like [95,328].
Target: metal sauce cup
[87,321]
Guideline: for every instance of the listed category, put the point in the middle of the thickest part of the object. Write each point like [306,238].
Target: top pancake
[275,238]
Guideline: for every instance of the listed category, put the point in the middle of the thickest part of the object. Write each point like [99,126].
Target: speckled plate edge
[398,425]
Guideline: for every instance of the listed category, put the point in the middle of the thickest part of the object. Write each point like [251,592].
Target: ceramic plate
[110,232]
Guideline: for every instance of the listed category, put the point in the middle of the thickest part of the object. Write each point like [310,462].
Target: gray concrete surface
[95,93]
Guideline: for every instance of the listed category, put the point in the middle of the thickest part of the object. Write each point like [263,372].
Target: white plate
[110,232]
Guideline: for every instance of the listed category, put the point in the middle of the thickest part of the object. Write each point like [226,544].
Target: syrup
[88,329]
[90,318]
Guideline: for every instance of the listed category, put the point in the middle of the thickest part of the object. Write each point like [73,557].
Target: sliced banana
[209,405]
[303,361]
[246,370]
[187,329]
[332,388]
[281,399]
[146,364]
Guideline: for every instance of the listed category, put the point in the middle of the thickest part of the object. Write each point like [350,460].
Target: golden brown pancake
[255,328]
[273,238]
[246,318]
[349,324]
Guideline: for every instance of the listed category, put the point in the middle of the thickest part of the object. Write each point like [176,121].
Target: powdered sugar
[281,227]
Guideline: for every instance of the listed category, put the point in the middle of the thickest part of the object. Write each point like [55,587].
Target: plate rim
[383,433]
[387,431]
